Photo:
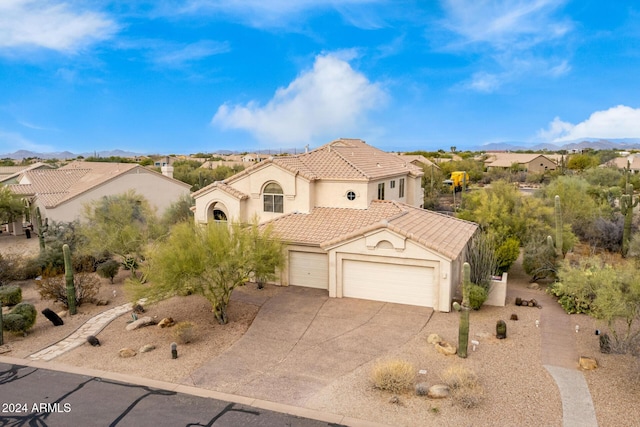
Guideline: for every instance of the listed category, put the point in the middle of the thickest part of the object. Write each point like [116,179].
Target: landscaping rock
[422,389]
[588,363]
[534,286]
[438,391]
[445,348]
[138,309]
[6,348]
[127,352]
[147,348]
[166,322]
[102,302]
[63,313]
[434,339]
[93,341]
[143,321]
[52,316]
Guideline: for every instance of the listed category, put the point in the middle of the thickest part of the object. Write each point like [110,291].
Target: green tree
[210,261]
[179,211]
[581,162]
[122,225]
[578,202]
[11,206]
[604,291]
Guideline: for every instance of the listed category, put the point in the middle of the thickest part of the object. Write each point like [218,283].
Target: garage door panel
[397,283]
[309,269]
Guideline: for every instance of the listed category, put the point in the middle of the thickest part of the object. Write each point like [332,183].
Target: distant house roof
[327,227]
[11,172]
[418,160]
[621,162]
[505,160]
[347,159]
[56,186]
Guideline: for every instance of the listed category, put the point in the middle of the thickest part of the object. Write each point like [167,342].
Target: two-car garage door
[398,283]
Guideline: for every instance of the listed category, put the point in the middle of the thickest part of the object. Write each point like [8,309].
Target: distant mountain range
[592,143]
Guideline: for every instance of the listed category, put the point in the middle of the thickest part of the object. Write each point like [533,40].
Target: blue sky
[169,76]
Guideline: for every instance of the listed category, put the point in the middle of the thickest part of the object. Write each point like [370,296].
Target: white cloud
[484,82]
[283,13]
[505,24]
[13,141]
[330,99]
[52,25]
[616,122]
[191,52]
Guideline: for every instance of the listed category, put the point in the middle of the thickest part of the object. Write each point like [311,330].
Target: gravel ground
[517,390]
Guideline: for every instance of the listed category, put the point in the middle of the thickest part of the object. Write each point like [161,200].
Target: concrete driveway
[302,340]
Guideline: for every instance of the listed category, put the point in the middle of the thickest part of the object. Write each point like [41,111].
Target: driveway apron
[302,340]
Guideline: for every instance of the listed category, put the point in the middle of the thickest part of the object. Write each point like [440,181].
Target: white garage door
[309,269]
[402,284]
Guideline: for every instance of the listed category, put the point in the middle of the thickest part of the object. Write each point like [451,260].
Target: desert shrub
[466,390]
[10,295]
[55,288]
[507,253]
[184,332]
[393,375]
[20,319]
[108,269]
[10,268]
[477,296]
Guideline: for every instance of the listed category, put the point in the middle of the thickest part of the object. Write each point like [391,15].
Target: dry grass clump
[466,390]
[184,332]
[55,288]
[393,375]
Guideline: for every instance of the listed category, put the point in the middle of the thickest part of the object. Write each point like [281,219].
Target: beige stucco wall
[541,164]
[227,203]
[158,190]
[404,251]
[333,194]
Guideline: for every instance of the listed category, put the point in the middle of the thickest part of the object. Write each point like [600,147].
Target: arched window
[273,198]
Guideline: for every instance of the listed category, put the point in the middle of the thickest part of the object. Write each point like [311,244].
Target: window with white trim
[401,188]
[392,184]
[381,191]
[273,198]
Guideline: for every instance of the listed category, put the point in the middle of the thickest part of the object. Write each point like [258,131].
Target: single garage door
[402,284]
[309,269]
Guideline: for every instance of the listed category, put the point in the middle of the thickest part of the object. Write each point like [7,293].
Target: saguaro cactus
[68,274]
[1,326]
[558,210]
[627,203]
[463,330]
[41,229]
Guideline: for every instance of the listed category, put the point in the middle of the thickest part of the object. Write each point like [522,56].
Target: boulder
[63,313]
[93,341]
[534,286]
[147,348]
[143,321]
[101,302]
[445,348]
[434,339]
[127,352]
[438,391]
[166,322]
[588,363]
[422,389]
[52,316]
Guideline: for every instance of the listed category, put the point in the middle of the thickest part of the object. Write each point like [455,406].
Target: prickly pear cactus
[68,274]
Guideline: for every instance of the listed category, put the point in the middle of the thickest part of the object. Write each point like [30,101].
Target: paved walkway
[559,354]
[79,336]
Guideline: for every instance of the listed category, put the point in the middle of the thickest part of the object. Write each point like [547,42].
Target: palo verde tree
[121,225]
[210,261]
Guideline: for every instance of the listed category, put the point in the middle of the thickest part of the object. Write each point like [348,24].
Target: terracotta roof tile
[326,227]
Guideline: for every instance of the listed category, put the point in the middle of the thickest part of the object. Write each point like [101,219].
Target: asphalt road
[41,397]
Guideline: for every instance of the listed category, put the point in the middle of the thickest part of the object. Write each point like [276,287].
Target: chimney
[167,169]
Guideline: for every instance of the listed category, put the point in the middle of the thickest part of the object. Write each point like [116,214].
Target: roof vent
[378,164]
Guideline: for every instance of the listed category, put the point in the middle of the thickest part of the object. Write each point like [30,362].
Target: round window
[351,195]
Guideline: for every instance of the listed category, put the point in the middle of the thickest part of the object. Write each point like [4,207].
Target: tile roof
[229,190]
[621,162]
[10,172]
[508,159]
[56,186]
[342,159]
[326,227]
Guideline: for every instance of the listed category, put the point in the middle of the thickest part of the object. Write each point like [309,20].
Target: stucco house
[352,218]
[61,193]
[526,162]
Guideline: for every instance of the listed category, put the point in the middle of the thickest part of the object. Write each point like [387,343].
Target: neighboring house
[418,160]
[535,163]
[352,220]
[632,162]
[61,193]
[10,174]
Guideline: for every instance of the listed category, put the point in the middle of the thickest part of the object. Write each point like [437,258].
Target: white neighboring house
[352,219]
[61,193]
